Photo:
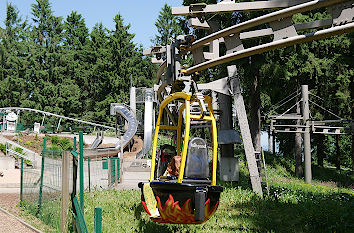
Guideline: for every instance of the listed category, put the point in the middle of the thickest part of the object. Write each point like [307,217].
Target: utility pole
[307,137]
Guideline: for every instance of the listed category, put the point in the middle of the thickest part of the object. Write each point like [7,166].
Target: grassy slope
[292,206]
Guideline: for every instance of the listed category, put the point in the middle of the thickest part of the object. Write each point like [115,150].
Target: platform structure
[300,122]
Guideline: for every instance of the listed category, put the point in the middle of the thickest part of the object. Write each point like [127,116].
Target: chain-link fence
[41,187]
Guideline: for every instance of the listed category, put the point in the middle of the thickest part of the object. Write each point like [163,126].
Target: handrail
[19,154]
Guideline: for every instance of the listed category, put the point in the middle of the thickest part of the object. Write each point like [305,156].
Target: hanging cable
[325,109]
[288,109]
[283,103]
[316,96]
[289,96]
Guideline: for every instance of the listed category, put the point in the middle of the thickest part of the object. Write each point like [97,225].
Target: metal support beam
[133,100]
[307,137]
[225,106]
[245,130]
[231,6]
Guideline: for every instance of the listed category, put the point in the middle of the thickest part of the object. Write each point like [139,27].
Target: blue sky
[140,14]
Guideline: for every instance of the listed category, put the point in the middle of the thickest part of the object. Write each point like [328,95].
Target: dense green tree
[168,26]
[13,59]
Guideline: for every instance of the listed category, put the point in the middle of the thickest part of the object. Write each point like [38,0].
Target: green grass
[292,206]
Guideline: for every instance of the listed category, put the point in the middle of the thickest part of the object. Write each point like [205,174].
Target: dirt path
[9,223]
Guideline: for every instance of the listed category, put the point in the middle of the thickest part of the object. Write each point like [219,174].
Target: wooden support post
[245,130]
[41,178]
[338,152]
[307,137]
[299,170]
[65,171]
[273,142]
[89,173]
[269,140]
[21,183]
[81,152]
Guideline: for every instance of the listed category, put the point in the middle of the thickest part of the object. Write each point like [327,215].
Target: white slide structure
[132,124]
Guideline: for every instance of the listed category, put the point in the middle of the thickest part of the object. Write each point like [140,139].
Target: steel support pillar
[245,130]
[133,100]
[307,137]
[225,107]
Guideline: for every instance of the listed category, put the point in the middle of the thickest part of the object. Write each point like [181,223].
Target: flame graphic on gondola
[173,213]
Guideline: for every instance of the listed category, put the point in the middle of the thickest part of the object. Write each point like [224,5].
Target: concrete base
[7,163]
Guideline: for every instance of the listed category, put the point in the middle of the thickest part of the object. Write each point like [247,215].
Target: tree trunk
[255,114]
[320,149]
[353,152]
[338,152]
[352,127]
[299,170]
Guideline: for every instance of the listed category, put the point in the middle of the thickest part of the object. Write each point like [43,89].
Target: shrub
[55,140]
[3,147]
[28,143]
[65,144]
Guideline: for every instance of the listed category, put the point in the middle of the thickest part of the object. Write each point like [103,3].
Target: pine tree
[168,27]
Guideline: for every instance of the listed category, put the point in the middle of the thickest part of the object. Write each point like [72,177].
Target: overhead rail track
[230,6]
[281,27]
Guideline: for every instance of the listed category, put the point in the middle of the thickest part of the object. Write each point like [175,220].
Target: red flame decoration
[173,213]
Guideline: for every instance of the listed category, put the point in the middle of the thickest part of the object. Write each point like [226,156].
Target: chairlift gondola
[186,195]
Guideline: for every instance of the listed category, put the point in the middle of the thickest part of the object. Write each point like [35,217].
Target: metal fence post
[80,217]
[109,171]
[116,176]
[98,220]
[81,152]
[42,172]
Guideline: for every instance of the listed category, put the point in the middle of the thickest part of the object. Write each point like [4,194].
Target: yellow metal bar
[215,144]
[164,103]
[185,142]
[154,145]
[177,95]
[169,127]
[204,118]
[179,130]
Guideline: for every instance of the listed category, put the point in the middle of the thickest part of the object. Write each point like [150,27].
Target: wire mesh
[51,183]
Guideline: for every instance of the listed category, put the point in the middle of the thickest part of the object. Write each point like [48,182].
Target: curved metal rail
[271,46]
[284,13]
[341,25]
[55,115]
